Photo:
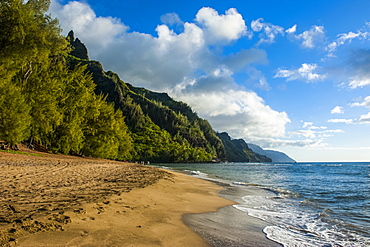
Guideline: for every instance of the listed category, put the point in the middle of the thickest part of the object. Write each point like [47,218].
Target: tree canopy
[44,99]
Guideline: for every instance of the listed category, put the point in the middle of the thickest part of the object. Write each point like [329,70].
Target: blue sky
[292,76]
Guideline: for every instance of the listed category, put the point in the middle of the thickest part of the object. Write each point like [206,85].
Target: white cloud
[313,132]
[79,17]
[318,127]
[365,103]
[341,120]
[359,81]
[276,142]
[270,31]
[307,124]
[365,119]
[243,114]
[337,110]
[311,38]
[171,19]
[228,27]
[306,133]
[310,126]
[305,73]
[291,30]
[334,131]
[346,38]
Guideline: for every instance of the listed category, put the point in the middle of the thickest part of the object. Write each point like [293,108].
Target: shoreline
[229,226]
[58,200]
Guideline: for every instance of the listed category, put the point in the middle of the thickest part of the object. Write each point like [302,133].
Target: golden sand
[58,200]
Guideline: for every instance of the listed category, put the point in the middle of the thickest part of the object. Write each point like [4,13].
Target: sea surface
[311,204]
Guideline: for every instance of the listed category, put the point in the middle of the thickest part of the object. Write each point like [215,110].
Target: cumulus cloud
[337,110]
[79,17]
[362,119]
[291,30]
[228,27]
[359,81]
[310,38]
[365,103]
[365,119]
[305,73]
[269,30]
[243,114]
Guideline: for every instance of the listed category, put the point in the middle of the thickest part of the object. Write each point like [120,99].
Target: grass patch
[19,152]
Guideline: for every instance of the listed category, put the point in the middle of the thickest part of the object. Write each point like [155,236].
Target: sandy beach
[56,200]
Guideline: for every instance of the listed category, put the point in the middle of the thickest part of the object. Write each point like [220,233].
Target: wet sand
[229,226]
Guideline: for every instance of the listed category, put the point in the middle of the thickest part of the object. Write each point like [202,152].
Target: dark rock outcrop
[79,49]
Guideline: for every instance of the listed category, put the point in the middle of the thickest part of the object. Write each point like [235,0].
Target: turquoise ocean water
[312,204]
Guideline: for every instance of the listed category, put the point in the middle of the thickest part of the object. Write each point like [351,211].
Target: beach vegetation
[20,152]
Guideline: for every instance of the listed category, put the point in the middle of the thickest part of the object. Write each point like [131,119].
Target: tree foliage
[44,97]
[14,114]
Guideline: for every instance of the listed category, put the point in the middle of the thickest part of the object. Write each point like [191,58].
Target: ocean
[311,204]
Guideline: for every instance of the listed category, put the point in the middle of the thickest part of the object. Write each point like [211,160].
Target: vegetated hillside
[163,130]
[237,150]
[275,156]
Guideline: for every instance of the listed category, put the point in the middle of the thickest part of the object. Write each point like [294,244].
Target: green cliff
[237,150]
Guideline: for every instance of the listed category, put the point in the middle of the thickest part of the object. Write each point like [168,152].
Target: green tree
[28,40]
[27,37]
[77,93]
[106,134]
[14,114]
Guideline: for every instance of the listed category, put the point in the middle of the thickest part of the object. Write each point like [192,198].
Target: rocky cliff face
[79,49]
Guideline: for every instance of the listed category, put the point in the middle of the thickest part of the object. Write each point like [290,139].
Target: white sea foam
[199,174]
[293,226]
[332,165]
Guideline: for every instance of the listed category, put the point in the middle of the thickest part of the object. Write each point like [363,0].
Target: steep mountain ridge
[237,150]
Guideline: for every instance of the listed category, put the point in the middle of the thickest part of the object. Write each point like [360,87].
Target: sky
[291,76]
